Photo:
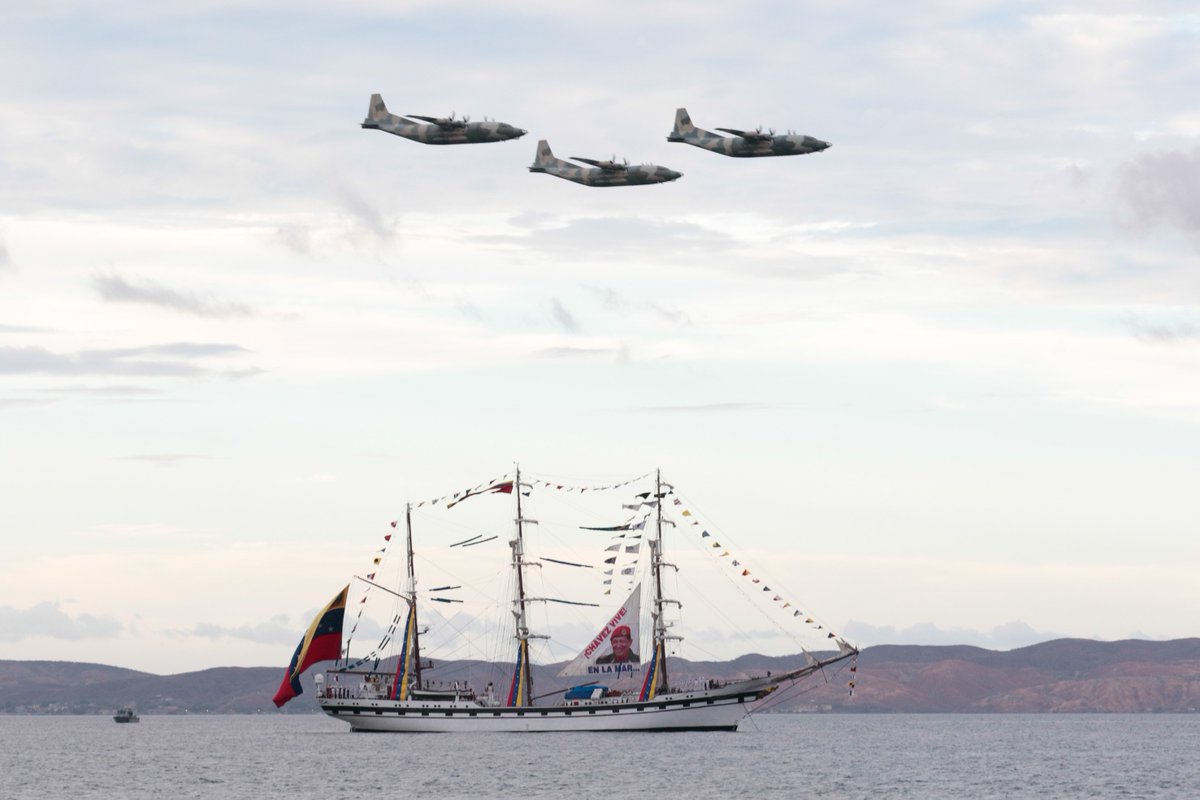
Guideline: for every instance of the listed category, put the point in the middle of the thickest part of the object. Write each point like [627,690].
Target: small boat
[126,714]
[620,689]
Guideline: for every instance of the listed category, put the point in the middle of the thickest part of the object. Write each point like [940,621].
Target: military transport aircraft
[600,173]
[743,144]
[438,130]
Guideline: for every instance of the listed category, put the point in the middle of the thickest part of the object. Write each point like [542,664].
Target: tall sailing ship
[607,686]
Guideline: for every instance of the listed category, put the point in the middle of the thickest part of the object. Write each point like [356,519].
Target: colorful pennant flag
[504,487]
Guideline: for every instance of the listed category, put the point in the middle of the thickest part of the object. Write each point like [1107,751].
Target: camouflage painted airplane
[438,130]
[600,173]
[743,144]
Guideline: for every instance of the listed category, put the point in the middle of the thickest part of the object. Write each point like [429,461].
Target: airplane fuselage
[432,133]
[741,147]
[597,176]
[441,131]
[742,144]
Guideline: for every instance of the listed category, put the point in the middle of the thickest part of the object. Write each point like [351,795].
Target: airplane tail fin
[544,158]
[378,114]
[683,124]
[377,110]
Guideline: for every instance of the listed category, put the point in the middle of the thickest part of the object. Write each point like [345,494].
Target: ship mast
[412,597]
[656,555]
[661,626]
[523,678]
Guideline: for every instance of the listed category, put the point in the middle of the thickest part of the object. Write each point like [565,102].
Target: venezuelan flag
[322,642]
[650,684]
[518,691]
[404,668]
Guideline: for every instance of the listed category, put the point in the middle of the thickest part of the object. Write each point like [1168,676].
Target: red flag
[394,522]
[387,538]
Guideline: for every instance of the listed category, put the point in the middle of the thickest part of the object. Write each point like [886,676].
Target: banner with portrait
[612,652]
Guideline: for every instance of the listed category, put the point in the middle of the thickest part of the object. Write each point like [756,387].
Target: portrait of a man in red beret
[622,648]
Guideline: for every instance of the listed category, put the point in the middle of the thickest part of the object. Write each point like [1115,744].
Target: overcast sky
[944,376]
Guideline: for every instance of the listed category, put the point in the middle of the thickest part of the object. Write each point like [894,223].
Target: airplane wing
[446,124]
[750,136]
[607,166]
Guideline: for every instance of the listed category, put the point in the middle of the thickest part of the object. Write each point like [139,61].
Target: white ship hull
[717,709]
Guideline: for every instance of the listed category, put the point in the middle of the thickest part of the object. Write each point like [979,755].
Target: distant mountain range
[1065,675]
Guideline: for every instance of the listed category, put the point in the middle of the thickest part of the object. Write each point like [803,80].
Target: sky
[942,378]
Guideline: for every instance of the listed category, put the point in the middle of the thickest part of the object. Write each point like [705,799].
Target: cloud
[296,238]
[613,300]
[49,395]
[115,289]
[25,402]
[275,630]
[47,619]
[24,329]
[5,260]
[1165,332]
[704,408]
[1003,637]
[165,459]
[107,391]
[165,360]
[366,216]
[611,235]
[582,352]
[562,316]
[1161,189]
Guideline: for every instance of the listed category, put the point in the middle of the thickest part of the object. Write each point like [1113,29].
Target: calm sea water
[793,756]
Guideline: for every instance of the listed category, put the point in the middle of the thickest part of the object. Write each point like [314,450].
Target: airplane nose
[672,175]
